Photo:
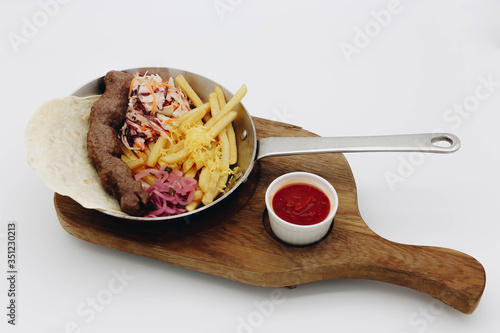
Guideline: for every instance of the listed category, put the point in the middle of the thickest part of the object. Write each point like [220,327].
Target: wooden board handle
[450,276]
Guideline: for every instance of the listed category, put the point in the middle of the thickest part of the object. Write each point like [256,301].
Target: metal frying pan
[251,150]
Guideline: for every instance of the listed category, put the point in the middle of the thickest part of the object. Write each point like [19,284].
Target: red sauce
[301,204]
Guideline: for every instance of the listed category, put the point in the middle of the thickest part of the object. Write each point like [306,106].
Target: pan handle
[424,143]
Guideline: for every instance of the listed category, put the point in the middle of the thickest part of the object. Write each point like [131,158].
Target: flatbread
[56,146]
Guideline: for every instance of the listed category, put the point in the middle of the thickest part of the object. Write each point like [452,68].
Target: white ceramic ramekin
[300,234]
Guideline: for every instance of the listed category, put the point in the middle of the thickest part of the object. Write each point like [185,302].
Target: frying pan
[250,150]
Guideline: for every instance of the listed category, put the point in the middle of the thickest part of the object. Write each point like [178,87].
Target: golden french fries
[203,109]
[134,164]
[175,157]
[224,142]
[156,151]
[191,172]
[220,96]
[214,103]
[222,123]
[229,106]
[148,179]
[233,151]
[204,179]
[142,154]
[214,106]
[178,146]
[196,116]
[193,205]
[128,153]
[212,190]
[202,144]
[186,88]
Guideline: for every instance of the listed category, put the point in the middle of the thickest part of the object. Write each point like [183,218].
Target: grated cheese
[202,148]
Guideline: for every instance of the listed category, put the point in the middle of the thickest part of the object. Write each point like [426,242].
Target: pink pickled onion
[170,193]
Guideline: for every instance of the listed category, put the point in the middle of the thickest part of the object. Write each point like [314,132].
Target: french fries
[212,190]
[202,109]
[186,88]
[198,195]
[222,123]
[233,151]
[202,144]
[224,143]
[137,163]
[175,157]
[156,151]
[204,179]
[228,107]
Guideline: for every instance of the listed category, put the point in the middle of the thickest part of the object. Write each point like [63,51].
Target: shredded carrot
[131,86]
[169,120]
[154,98]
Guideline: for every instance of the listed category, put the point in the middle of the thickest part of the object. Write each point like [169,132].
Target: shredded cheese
[201,147]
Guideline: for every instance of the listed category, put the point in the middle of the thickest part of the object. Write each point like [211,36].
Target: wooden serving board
[234,241]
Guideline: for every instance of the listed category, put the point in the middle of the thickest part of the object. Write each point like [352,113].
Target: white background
[405,76]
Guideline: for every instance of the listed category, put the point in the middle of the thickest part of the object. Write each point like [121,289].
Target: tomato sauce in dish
[301,204]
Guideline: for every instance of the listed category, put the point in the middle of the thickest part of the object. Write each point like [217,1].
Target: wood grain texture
[234,240]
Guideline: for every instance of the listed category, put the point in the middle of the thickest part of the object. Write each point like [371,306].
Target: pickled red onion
[170,193]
